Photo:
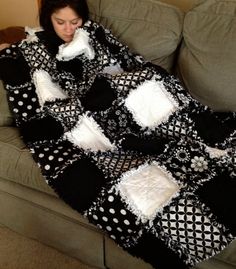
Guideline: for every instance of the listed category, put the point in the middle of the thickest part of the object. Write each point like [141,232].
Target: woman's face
[65,21]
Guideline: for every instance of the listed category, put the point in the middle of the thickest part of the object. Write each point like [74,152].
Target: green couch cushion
[150,28]
[207,61]
[184,5]
[228,255]
[6,117]
[16,162]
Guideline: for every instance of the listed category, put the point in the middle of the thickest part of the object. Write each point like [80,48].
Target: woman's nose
[68,27]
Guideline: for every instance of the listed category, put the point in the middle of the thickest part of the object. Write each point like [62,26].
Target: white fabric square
[147,190]
[46,89]
[113,69]
[88,135]
[150,104]
[79,45]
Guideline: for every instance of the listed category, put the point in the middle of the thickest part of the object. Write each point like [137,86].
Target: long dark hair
[48,7]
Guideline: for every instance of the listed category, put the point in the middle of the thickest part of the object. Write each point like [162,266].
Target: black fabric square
[73,66]
[209,128]
[101,37]
[41,129]
[100,96]
[227,118]
[144,144]
[219,195]
[51,41]
[14,71]
[79,184]
[158,254]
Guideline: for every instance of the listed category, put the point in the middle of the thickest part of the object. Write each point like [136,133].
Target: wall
[25,12]
[18,12]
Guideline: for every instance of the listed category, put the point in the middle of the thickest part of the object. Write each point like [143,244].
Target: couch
[196,40]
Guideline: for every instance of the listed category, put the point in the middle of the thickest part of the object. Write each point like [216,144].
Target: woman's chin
[67,39]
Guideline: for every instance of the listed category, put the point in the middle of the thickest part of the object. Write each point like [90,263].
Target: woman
[119,139]
[63,17]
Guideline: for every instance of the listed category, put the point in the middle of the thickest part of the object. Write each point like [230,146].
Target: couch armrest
[12,34]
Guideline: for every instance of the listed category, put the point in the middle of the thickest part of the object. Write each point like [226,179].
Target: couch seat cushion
[16,162]
[207,61]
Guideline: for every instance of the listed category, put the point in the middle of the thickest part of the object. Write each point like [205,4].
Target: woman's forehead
[66,13]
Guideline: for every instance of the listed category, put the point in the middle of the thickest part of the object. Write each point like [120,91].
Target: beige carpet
[18,252]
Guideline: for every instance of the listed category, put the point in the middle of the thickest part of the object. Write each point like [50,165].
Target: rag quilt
[121,141]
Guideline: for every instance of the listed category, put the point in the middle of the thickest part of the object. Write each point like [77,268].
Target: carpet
[19,252]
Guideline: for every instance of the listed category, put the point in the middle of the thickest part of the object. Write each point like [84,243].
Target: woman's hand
[4,46]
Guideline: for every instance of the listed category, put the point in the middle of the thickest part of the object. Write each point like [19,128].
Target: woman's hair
[48,7]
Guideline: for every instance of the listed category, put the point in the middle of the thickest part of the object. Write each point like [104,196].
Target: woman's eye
[75,22]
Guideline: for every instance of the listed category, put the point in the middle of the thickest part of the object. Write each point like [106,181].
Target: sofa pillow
[207,59]
[12,34]
[149,27]
[6,117]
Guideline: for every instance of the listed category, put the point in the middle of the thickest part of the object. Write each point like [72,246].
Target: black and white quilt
[123,143]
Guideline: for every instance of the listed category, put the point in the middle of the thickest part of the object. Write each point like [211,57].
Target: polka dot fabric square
[24,102]
[51,158]
[110,214]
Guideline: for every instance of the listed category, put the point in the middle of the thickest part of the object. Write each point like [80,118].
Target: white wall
[18,13]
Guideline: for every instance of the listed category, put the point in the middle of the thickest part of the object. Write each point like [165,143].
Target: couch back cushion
[184,5]
[6,118]
[207,59]
[149,27]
